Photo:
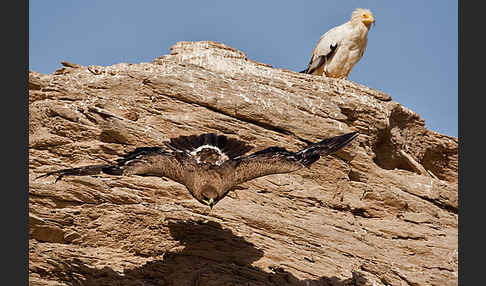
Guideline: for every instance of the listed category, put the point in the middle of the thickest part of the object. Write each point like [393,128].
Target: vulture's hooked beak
[369,20]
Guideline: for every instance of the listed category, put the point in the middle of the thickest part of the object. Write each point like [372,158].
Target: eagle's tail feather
[327,146]
[85,171]
[231,147]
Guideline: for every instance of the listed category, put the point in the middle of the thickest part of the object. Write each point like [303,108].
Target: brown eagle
[210,165]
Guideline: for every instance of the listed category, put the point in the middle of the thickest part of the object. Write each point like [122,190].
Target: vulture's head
[364,16]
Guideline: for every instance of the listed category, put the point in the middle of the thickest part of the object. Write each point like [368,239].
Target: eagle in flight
[210,165]
[340,48]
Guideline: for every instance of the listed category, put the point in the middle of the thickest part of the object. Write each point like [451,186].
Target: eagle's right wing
[277,160]
[150,161]
[273,160]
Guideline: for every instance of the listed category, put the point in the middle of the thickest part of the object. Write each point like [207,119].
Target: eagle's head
[208,196]
[364,16]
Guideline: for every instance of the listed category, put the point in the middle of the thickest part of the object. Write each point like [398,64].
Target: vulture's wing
[324,50]
[277,160]
[364,43]
[150,161]
[319,58]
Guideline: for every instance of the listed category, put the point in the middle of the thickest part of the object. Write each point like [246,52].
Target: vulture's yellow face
[367,18]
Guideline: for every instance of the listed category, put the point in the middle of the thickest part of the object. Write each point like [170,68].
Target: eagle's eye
[205,199]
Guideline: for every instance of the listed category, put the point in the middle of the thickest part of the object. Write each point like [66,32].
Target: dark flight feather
[320,60]
[140,151]
[327,146]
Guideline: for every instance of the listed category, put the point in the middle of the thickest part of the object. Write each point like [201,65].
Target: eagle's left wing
[151,161]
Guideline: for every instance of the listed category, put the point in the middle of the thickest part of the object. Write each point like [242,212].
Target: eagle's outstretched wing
[150,161]
[277,160]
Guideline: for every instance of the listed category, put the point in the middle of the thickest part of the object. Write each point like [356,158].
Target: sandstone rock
[382,211]
[47,233]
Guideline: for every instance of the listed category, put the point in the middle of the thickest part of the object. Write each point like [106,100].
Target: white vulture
[342,47]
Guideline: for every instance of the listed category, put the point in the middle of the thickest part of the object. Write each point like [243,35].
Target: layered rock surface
[382,211]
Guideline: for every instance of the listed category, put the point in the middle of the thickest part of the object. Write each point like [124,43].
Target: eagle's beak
[211,203]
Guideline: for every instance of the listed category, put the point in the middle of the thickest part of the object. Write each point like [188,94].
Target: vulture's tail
[327,146]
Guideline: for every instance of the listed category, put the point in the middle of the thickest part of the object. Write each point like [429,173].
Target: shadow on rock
[211,256]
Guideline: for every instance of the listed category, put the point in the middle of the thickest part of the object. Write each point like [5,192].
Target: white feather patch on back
[222,156]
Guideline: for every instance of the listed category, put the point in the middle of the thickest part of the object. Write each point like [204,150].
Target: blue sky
[412,51]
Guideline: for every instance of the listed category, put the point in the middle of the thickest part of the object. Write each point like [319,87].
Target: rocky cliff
[382,211]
